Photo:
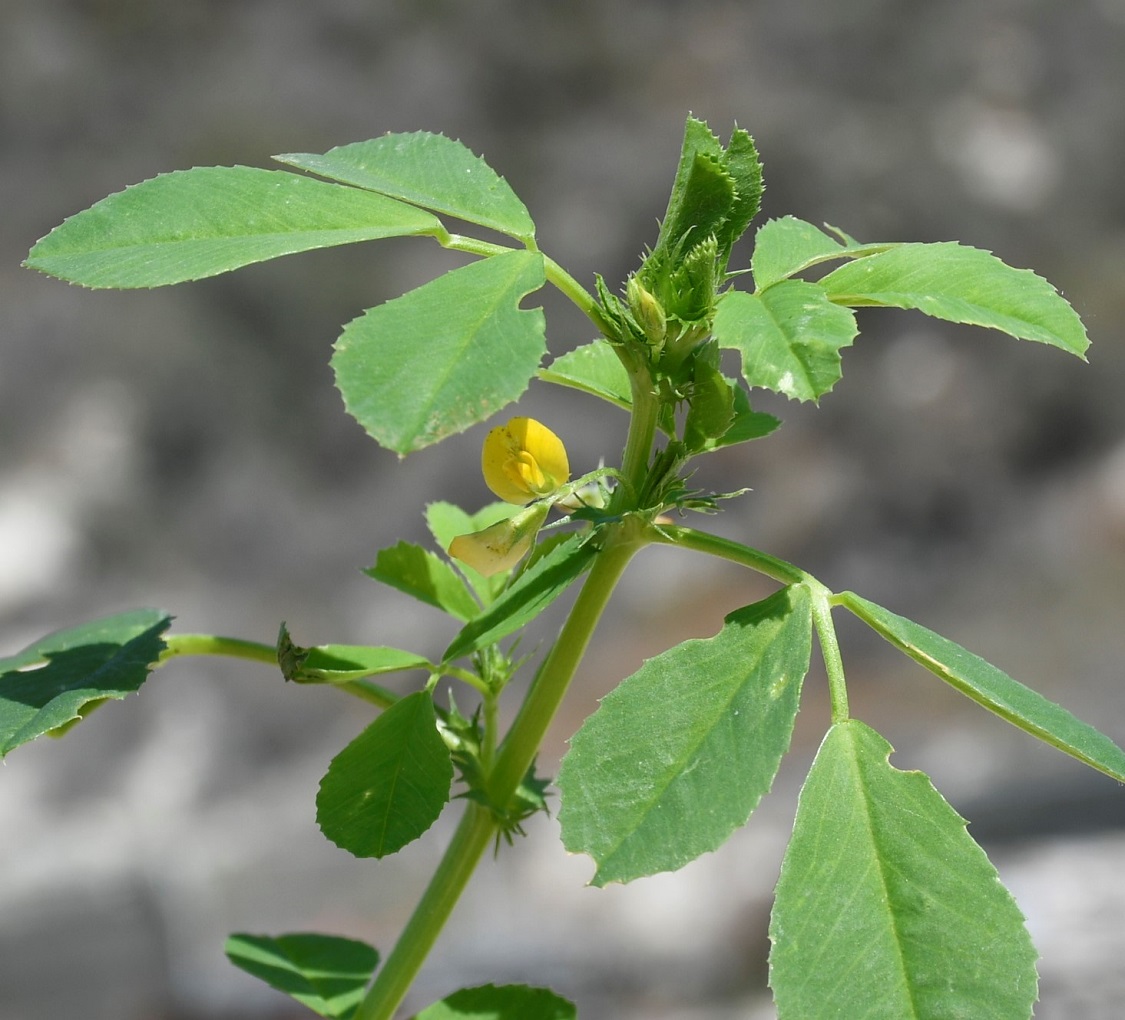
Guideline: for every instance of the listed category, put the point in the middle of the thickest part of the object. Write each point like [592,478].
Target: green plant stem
[830,652]
[519,747]
[213,644]
[177,645]
[736,552]
[393,980]
[556,275]
[472,245]
[642,430]
[514,757]
[786,573]
[561,280]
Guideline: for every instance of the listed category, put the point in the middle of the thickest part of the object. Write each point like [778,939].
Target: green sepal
[389,785]
[59,679]
[464,736]
[325,973]
[886,908]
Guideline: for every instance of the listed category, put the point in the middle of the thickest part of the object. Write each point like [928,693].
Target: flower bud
[647,311]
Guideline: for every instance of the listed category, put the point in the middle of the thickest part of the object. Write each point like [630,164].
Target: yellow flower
[503,545]
[524,460]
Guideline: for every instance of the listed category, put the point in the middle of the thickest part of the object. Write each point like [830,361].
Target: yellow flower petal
[501,546]
[524,460]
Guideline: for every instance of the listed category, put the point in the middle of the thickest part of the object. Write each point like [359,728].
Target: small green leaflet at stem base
[326,973]
[427,170]
[192,224]
[340,664]
[503,1002]
[444,356]
[789,336]
[389,785]
[961,284]
[679,755]
[428,578]
[886,909]
[60,678]
[992,688]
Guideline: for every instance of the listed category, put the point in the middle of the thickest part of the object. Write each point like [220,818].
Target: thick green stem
[642,431]
[519,747]
[514,757]
[474,832]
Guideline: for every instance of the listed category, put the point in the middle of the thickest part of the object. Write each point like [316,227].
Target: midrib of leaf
[872,833]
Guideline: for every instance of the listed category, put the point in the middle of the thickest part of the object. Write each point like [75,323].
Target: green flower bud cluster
[670,301]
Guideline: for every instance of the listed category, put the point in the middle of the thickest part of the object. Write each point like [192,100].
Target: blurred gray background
[185,448]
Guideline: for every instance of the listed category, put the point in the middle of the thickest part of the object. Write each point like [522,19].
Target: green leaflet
[425,576]
[789,336]
[444,356]
[542,581]
[716,191]
[992,688]
[427,170]
[711,411]
[341,664]
[886,909]
[389,785]
[57,680]
[593,368]
[961,284]
[504,1002]
[191,224]
[680,753]
[748,424]
[326,973]
[787,246]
